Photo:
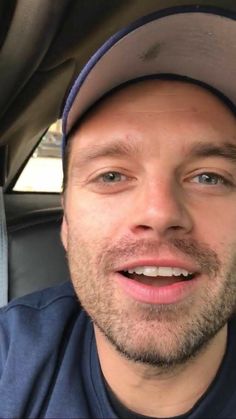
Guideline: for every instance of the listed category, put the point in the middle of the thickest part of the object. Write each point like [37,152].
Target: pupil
[209,179]
[111,176]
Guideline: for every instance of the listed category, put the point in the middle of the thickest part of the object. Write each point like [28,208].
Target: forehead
[158,96]
[158,101]
[153,114]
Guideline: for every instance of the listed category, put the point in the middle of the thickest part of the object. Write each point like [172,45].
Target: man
[149,228]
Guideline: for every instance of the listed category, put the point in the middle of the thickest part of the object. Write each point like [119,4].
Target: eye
[111,181]
[212,179]
[111,177]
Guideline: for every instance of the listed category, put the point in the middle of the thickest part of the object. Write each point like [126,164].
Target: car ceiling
[44,44]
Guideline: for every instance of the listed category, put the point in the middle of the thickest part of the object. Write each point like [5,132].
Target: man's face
[150,219]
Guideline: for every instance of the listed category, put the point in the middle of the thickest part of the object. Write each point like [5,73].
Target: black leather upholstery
[36,256]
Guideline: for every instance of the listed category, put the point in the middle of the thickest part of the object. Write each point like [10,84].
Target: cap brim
[198,44]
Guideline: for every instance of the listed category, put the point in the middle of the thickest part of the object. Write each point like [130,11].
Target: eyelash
[111,181]
[221,180]
[114,181]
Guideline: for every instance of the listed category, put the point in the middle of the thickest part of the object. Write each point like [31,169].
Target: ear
[64,232]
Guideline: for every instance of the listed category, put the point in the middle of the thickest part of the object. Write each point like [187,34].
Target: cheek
[215,224]
[99,218]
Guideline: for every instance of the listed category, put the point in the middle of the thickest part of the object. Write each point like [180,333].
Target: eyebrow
[117,148]
[225,151]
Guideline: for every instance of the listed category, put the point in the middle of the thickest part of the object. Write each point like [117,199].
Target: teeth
[158,271]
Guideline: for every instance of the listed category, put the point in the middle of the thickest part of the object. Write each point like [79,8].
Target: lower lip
[166,294]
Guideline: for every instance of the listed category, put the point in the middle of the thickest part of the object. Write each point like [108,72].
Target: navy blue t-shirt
[49,366]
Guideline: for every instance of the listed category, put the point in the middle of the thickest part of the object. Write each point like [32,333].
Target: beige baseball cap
[198,43]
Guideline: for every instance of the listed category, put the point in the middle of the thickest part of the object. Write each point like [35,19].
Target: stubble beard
[163,336]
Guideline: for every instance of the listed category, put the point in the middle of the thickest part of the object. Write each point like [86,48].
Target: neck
[152,391]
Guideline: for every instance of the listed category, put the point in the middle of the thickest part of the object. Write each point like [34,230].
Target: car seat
[36,257]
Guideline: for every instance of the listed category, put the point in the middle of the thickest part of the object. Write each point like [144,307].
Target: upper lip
[172,263]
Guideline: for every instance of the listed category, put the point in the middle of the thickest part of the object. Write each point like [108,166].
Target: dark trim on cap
[119,35]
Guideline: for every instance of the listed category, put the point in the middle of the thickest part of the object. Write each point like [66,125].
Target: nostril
[176,228]
[145,227]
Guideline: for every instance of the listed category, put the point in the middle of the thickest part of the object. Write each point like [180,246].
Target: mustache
[200,254]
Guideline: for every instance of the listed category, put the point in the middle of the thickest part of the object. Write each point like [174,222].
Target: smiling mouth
[158,276]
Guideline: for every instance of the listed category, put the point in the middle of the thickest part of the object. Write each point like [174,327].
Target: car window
[43,171]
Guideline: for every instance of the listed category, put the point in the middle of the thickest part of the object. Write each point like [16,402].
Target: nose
[161,207]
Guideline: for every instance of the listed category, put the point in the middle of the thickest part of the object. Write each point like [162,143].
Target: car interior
[44,45]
